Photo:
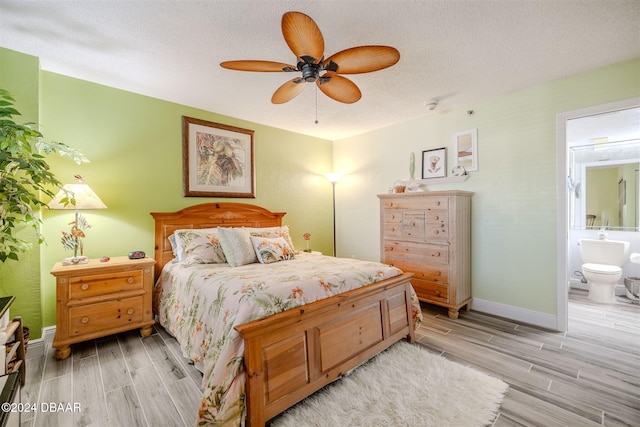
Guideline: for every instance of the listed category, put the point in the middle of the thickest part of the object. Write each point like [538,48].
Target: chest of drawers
[101,298]
[429,234]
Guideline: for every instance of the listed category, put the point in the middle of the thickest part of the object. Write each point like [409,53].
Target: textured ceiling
[458,52]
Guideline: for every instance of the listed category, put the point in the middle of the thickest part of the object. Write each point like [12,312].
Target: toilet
[603,260]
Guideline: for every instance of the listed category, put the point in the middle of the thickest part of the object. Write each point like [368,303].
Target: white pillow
[270,250]
[237,247]
[198,246]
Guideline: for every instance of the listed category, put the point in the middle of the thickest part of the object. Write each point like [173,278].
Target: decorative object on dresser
[12,343]
[429,234]
[76,196]
[101,298]
[217,160]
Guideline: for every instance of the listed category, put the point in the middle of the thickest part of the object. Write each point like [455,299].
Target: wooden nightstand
[101,298]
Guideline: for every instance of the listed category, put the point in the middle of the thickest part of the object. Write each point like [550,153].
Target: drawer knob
[436,217]
[436,232]
[438,203]
[130,280]
[84,286]
[84,320]
[436,254]
[130,311]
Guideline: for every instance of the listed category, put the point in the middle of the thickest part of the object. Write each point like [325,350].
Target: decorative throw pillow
[271,232]
[237,247]
[271,250]
[198,246]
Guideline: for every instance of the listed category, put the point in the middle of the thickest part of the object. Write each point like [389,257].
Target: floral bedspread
[201,304]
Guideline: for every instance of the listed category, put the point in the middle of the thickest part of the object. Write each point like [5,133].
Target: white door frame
[562,300]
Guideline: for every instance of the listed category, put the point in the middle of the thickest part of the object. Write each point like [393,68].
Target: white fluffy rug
[403,386]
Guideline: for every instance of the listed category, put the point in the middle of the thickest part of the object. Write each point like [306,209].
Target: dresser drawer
[421,252]
[430,291]
[393,230]
[392,216]
[113,314]
[422,203]
[104,284]
[437,273]
[413,225]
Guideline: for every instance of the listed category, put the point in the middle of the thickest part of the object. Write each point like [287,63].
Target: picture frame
[466,144]
[217,160]
[434,163]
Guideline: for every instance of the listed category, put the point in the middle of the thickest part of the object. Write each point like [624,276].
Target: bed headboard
[206,215]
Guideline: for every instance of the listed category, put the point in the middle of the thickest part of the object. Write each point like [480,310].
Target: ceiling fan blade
[339,88]
[288,91]
[249,65]
[364,59]
[302,35]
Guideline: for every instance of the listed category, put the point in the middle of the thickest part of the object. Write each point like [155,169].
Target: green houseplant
[25,177]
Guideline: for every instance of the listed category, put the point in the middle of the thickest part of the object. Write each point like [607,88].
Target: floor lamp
[333,179]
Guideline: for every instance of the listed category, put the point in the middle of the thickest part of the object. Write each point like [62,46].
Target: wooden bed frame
[290,355]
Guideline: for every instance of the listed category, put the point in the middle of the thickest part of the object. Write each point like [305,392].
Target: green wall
[515,206]
[19,76]
[134,143]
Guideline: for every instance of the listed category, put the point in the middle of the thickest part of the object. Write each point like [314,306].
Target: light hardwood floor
[587,376]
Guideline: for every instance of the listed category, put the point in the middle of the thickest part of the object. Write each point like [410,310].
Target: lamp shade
[333,177]
[85,198]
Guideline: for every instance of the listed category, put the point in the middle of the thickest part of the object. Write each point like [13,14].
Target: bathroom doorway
[598,147]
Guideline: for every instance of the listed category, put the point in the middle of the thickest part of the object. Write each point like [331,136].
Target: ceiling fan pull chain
[316,105]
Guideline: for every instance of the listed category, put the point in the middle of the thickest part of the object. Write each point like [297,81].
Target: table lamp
[76,196]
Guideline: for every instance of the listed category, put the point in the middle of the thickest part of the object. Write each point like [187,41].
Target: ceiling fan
[305,40]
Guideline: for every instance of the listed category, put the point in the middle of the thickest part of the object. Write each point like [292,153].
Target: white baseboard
[536,318]
[37,347]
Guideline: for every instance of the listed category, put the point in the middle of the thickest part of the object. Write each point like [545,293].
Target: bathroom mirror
[606,185]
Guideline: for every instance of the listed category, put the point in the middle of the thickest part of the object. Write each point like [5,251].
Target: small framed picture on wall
[434,163]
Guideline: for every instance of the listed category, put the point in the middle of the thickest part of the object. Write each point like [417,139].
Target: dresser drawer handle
[436,217]
[130,311]
[436,254]
[84,286]
[438,203]
[436,232]
[130,280]
[84,320]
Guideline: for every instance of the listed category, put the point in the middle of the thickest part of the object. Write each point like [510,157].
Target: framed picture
[217,160]
[467,149]
[434,163]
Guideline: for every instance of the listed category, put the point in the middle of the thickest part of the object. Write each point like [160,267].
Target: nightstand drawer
[104,284]
[105,315]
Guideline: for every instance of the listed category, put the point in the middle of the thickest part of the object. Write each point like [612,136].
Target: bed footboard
[290,355]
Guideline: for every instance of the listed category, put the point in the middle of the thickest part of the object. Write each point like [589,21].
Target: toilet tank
[609,252]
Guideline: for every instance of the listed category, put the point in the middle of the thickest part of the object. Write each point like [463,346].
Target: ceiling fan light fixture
[305,40]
